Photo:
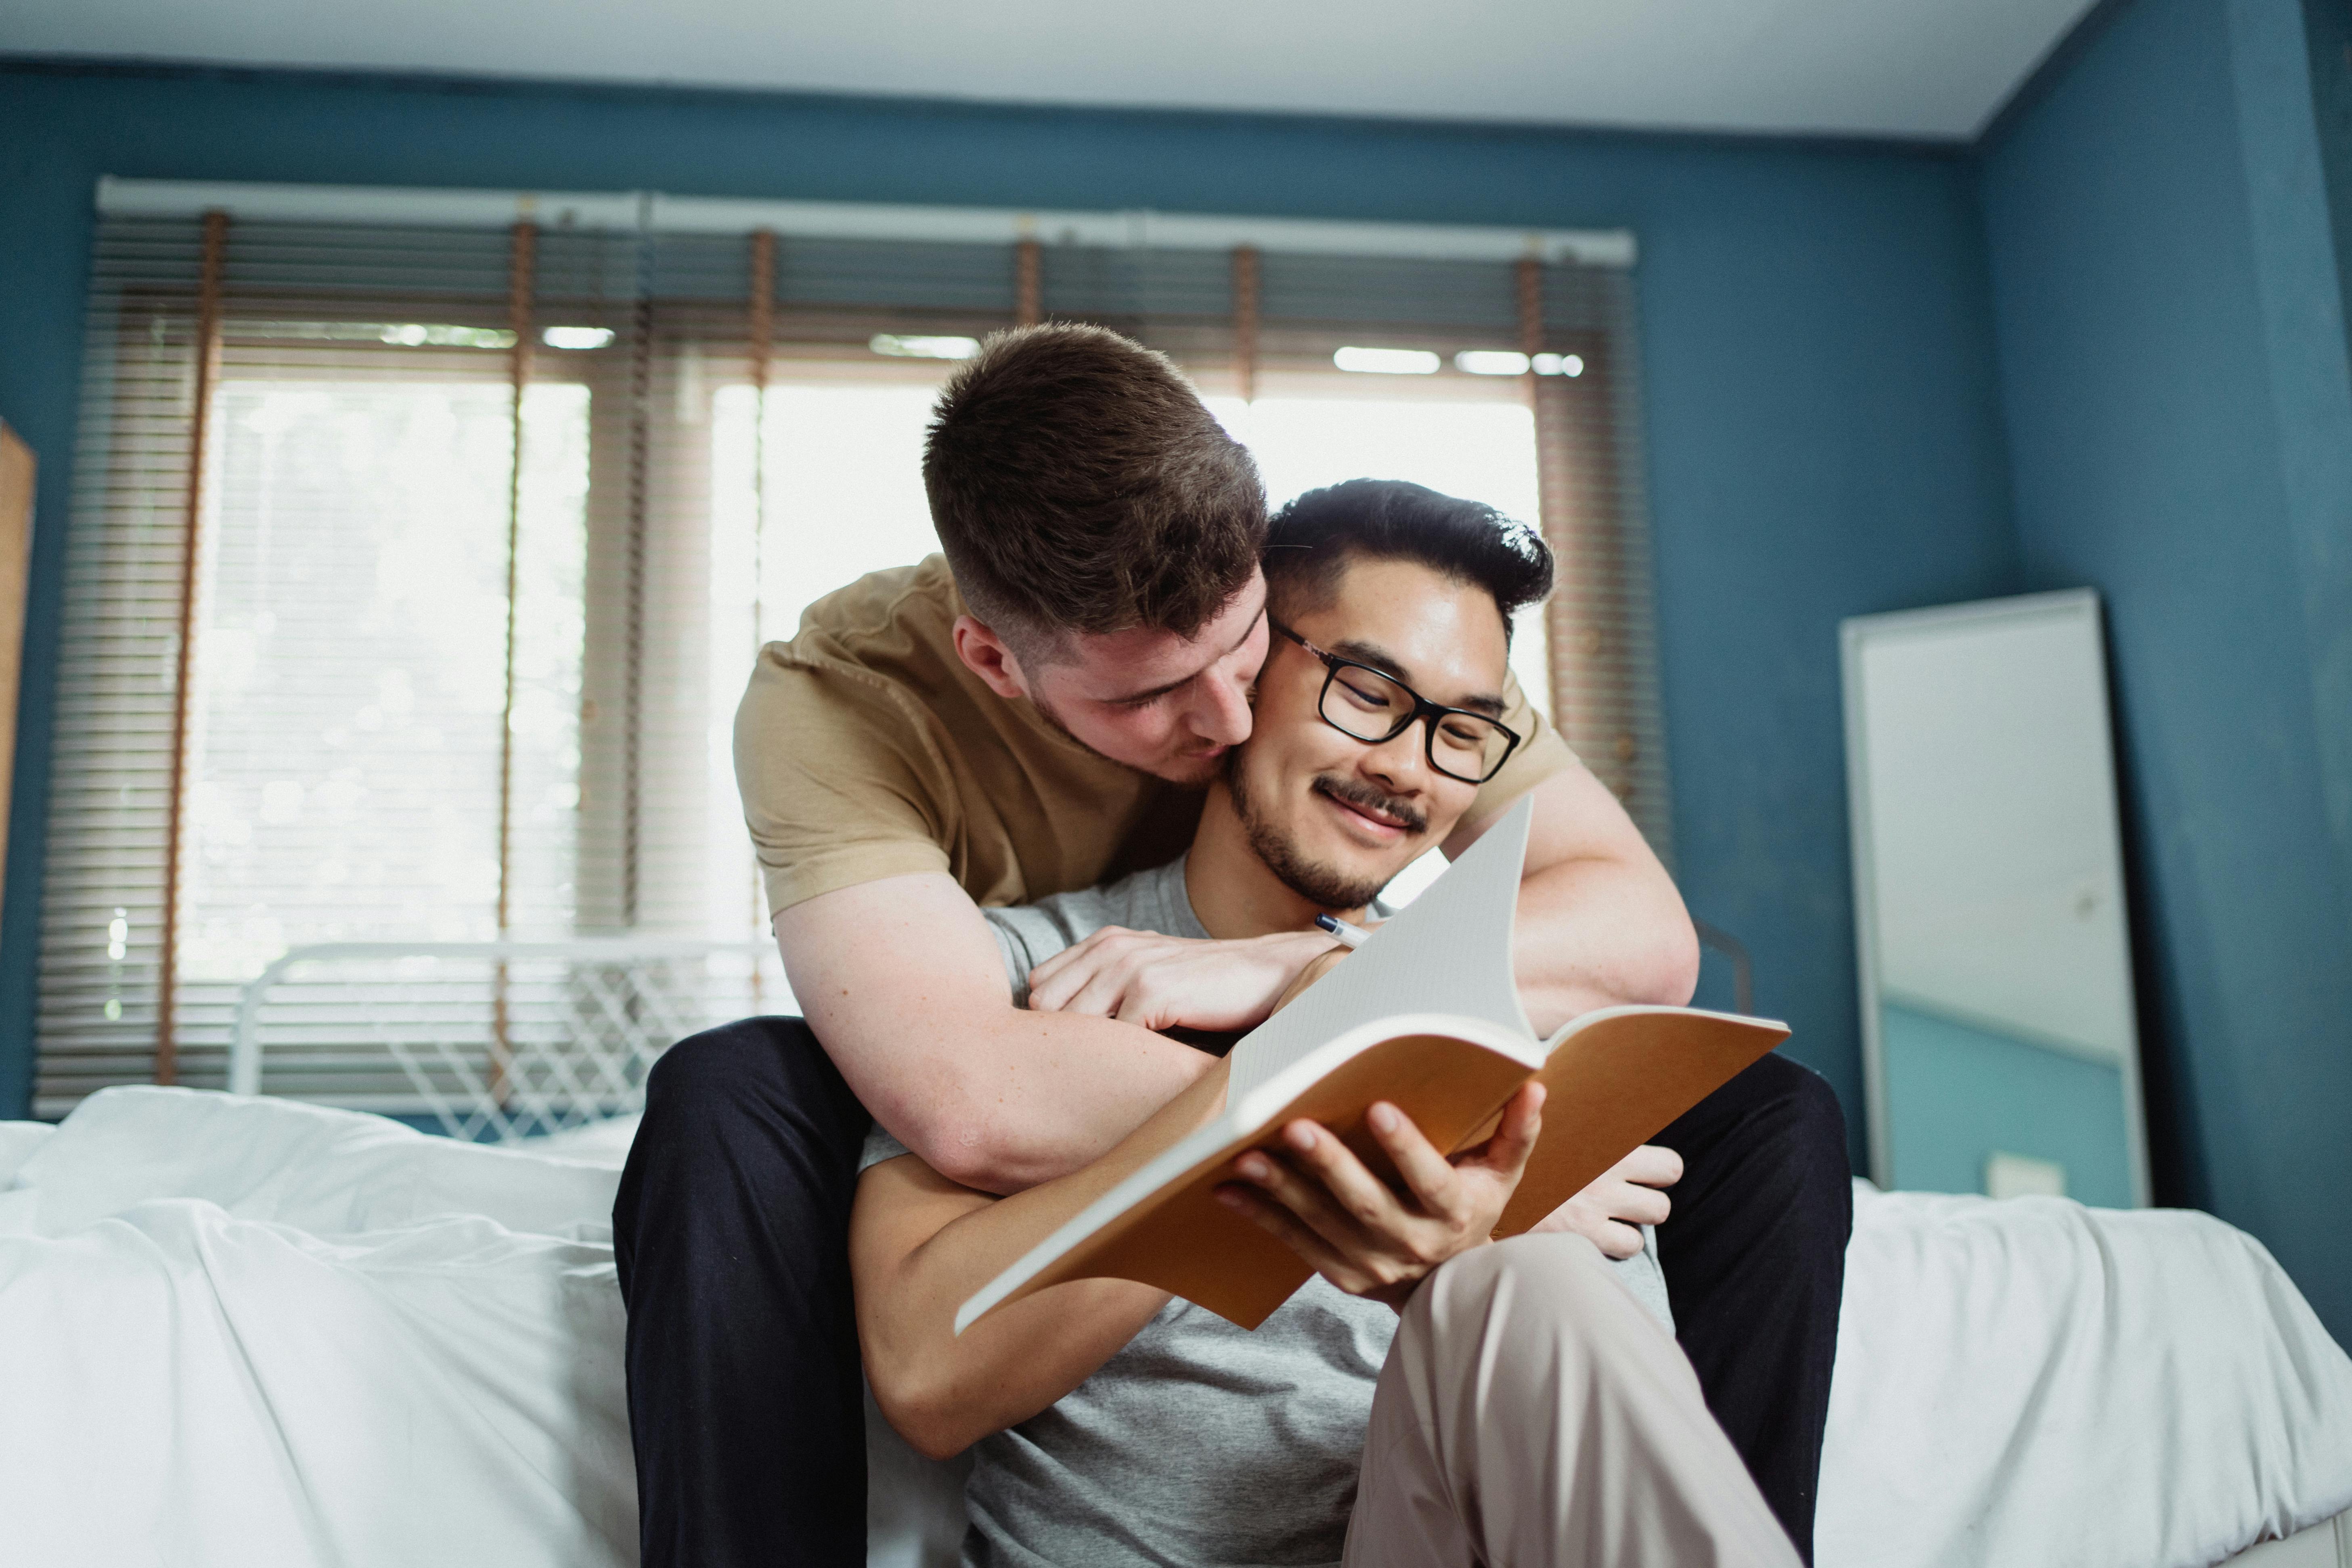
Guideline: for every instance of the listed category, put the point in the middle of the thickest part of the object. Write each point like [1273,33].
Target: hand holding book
[1368,1238]
[1424,1017]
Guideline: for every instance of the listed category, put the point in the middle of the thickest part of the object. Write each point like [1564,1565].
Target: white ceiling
[1870,68]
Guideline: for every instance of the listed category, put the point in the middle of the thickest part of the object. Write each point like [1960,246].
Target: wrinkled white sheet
[252,1332]
[2034,1382]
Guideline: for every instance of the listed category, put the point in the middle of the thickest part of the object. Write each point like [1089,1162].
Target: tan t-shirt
[865,748]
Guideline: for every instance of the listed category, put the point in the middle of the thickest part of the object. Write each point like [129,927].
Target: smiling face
[1334,817]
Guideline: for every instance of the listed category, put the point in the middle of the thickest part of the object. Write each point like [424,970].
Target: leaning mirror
[1999,1050]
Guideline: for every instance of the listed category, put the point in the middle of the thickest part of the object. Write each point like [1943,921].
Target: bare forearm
[943,1391]
[1599,933]
[1019,1097]
[906,988]
[1022,1360]
[959,1253]
[921,1245]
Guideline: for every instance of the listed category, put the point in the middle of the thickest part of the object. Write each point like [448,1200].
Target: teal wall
[2170,311]
[2105,346]
[1823,434]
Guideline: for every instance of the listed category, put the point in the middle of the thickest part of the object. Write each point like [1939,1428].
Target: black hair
[1311,541]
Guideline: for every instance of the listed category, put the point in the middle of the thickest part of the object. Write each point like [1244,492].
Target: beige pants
[1531,1414]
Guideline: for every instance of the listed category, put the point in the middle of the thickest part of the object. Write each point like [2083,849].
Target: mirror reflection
[1996,971]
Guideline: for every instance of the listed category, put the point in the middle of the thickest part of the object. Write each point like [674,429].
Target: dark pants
[1754,1252]
[731,1230]
[745,1404]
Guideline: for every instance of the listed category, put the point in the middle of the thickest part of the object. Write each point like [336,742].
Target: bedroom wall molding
[1137,228]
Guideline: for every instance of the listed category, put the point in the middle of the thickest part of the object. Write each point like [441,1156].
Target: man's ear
[988,657]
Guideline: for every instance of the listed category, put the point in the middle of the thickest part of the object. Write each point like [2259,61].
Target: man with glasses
[1038,711]
[1433,1398]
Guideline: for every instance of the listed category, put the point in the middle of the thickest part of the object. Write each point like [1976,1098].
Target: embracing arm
[903,982]
[1599,922]
[920,1247]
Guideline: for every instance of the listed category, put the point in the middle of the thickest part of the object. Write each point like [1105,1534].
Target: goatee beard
[1326,887]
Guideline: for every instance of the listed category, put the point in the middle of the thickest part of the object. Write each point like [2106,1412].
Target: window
[670,440]
[343,776]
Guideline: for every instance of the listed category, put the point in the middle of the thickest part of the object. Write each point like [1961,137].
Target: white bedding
[251,1332]
[2034,1382]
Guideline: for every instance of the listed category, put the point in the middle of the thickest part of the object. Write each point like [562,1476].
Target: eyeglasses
[1370,705]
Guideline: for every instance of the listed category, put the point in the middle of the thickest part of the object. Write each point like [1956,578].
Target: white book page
[1449,951]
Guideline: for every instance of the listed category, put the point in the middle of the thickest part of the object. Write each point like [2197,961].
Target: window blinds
[482,534]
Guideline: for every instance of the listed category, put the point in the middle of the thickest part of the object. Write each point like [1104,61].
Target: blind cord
[208,373]
[763,334]
[641,374]
[1245,291]
[522,264]
[1028,283]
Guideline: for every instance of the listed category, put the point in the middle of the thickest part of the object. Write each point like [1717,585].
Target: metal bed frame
[489,1040]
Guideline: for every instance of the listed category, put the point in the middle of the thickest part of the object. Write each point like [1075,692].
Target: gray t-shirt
[1198,1443]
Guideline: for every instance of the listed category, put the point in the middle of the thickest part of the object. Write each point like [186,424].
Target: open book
[1425,1015]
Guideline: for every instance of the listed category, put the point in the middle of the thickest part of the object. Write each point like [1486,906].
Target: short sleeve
[1012,928]
[1541,754]
[842,778]
[879,1146]
[1029,934]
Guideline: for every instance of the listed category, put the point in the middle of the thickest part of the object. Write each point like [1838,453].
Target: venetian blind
[485,532]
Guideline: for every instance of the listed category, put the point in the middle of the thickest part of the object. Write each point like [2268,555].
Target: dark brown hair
[1078,485]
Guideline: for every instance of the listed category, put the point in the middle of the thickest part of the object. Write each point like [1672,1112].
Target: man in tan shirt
[1032,715]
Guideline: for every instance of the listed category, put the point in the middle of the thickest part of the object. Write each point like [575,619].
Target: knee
[737,1066]
[1555,1268]
[749,1131]
[1800,1116]
[695,1074]
[1795,1168]
[759,1094]
[1537,1303]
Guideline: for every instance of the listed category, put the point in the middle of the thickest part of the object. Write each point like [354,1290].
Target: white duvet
[250,1332]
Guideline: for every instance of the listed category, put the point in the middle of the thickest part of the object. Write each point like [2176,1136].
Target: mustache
[1355,792]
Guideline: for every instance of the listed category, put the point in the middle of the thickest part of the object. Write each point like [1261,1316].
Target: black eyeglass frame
[1422,708]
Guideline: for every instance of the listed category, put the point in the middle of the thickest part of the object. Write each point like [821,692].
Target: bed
[244,1330]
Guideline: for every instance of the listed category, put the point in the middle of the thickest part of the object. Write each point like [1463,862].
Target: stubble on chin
[1326,887]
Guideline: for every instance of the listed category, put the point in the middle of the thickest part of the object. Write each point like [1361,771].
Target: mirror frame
[2079,606]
